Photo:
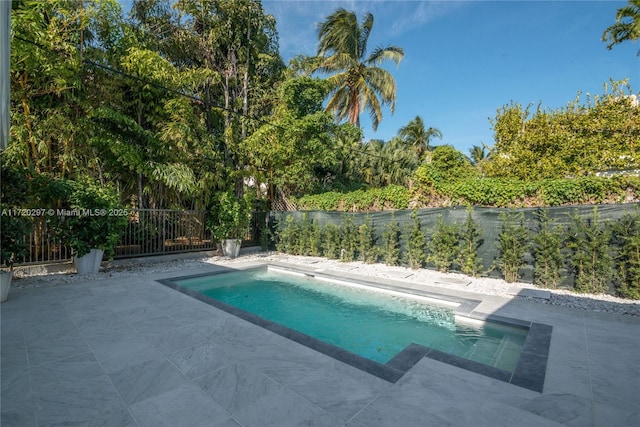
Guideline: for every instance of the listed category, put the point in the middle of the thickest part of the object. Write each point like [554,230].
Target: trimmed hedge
[488,192]
[583,248]
[505,192]
[375,199]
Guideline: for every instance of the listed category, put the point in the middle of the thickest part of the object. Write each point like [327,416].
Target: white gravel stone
[456,281]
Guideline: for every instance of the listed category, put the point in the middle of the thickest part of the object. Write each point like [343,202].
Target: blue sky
[465,59]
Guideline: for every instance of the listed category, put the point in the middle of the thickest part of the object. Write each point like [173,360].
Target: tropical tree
[357,81]
[477,154]
[627,26]
[286,153]
[417,136]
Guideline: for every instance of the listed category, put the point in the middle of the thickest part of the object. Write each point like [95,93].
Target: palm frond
[365,31]
[381,54]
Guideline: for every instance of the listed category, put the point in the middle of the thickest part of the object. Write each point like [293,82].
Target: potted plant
[13,230]
[92,223]
[228,219]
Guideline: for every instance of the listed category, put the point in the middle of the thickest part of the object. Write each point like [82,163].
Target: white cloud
[414,14]
[297,19]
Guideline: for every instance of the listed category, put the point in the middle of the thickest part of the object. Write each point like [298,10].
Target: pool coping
[530,371]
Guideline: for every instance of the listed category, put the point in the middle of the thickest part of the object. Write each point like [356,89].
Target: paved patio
[132,352]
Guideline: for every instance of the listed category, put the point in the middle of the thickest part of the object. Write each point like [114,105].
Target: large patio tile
[82,313]
[13,351]
[75,391]
[78,297]
[64,414]
[138,382]
[610,411]
[240,338]
[185,405]
[154,324]
[566,409]
[201,359]
[141,312]
[14,417]
[11,319]
[286,364]
[17,403]
[237,386]
[65,372]
[172,339]
[44,314]
[128,352]
[52,341]
[99,331]
[285,409]
[338,394]
[130,302]
[620,381]
[565,375]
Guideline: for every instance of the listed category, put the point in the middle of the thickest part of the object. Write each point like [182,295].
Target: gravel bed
[479,285]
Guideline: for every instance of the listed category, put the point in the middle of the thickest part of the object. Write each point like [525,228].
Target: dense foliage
[583,138]
[390,197]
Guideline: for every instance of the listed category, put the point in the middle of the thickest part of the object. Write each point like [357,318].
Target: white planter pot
[5,284]
[89,263]
[231,247]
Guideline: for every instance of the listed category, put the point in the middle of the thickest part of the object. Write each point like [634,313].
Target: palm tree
[477,154]
[358,83]
[417,136]
[627,26]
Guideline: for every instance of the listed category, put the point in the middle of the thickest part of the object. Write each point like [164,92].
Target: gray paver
[186,405]
[237,386]
[130,352]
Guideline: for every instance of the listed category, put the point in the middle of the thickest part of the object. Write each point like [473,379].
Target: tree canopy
[626,27]
[583,138]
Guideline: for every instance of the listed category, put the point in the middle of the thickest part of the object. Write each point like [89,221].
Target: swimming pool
[375,328]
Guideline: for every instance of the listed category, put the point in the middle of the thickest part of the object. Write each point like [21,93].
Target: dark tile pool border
[530,370]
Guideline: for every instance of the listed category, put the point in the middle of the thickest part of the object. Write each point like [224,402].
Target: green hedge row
[390,197]
[582,252]
[489,192]
[504,192]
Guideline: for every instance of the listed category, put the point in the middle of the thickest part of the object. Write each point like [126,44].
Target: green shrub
[101,231]
[415,242]
[304,236]
[331,241]
[349,234]
[590,259]
[367,242]
[443,246]
[287,235]
[512,245]
[470,240]
[626,236]
[315,239]
[391,242]
[547,251]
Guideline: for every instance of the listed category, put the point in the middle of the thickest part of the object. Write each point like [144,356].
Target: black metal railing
[148,232]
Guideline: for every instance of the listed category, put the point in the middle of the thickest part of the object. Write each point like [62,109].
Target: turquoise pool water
[366,322]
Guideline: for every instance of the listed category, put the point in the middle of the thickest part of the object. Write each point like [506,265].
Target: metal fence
[148,232]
